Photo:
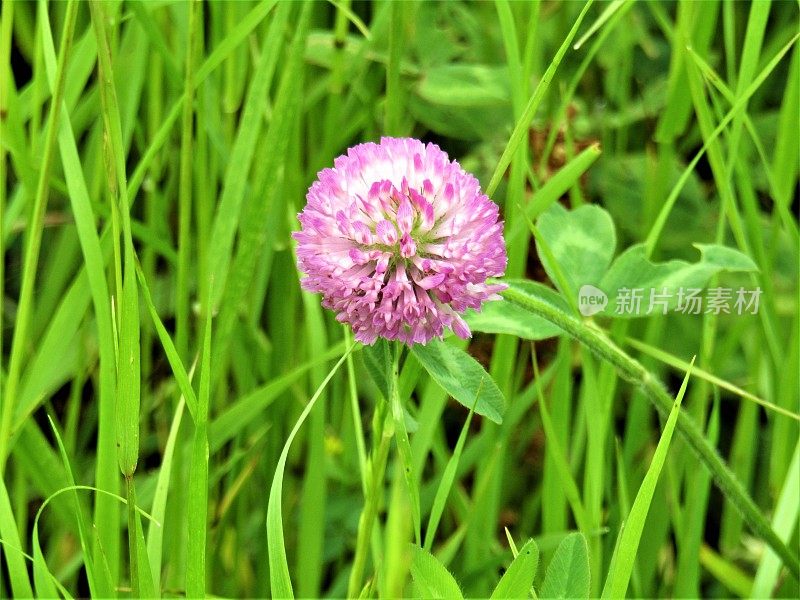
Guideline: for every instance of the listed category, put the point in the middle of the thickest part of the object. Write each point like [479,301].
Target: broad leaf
[503,316]
[568,573]
[431,577]
[462,101]
[465,85]
[633,271]
[581,242]
[462,377]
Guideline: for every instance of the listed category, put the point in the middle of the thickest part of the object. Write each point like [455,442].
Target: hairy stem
[633,371]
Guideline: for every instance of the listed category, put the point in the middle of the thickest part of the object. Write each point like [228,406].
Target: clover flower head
[400,240]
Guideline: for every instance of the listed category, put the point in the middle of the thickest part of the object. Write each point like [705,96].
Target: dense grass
[177,417]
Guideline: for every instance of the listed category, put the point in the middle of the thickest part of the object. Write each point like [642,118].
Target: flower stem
[403,443]
[381,441]
[634,372]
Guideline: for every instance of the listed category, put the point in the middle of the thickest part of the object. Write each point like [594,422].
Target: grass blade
[280,581]
[784,520]
[517,581]
[521,127]
[198,479]
[448,477]
[34,238]
[12,549]
[155,533]
[631,533]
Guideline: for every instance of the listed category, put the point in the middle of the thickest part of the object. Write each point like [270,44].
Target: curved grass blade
[280,581]
[100,582]
[44,581]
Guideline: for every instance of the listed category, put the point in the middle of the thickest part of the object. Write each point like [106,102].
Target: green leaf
[633,270]
[461,376]
[581,241]
[516,582]
[465,85]
[431,577]
[463,101]
[568,572]
[504,317]
[725,258]
[12,549]
[622,182]
[462,123]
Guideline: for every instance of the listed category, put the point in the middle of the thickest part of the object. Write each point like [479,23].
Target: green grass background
[157,349]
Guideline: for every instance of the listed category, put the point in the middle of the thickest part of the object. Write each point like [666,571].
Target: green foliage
[568,573]
[153,156]
[577,248]
[581,245]
[432,579]
[632,269]
[517,581]
[631,533]
[462,377]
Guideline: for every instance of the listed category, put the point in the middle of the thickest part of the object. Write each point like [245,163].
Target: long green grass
[177,418]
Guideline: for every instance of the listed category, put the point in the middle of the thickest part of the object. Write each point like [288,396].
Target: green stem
[634,372]
[132,533]
[185,193]
[403,443]
[382,437]
[358,430]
